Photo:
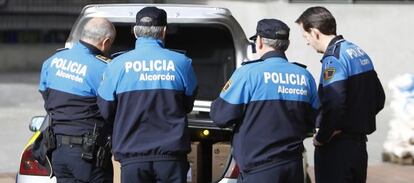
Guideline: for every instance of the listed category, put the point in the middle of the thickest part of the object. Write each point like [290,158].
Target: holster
[103,155]
[44,145]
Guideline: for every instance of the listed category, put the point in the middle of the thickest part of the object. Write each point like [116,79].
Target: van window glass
[210,46]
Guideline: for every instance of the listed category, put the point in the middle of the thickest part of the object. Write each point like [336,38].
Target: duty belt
[69,140]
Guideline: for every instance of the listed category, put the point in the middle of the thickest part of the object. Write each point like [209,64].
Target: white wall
[22,57]
[383,31]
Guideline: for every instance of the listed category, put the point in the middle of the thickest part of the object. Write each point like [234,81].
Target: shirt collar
[92,49]
[332,46]
[274,53]
[336,40]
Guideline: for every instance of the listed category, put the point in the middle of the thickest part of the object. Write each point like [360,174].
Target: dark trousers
[291,172]
[155,172]
[69,167]
[342,160]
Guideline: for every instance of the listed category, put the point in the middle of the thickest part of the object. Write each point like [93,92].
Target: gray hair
[276,44]
[149,31]
[97,29]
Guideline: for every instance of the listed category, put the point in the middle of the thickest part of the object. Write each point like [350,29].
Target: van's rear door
[210,36]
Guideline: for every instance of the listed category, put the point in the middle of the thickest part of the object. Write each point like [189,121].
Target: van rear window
[210,46]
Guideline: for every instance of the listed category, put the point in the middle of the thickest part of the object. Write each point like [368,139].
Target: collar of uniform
[332,45]
[92,49]
[271,54]
[336,40]
[148,41]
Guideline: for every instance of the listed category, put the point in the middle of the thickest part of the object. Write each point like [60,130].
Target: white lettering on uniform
[72,77]
[71,66]
[157,65]
[280,78]
[286,90]
[128,65]
[364,61]
[266,76]
[145,66]
[355,52]
[155,77]
[69,69]
[283,79]
[151,65]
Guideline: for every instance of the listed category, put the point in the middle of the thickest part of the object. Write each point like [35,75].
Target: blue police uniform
[68,83]
[351,95]
[271,103]
[147,93]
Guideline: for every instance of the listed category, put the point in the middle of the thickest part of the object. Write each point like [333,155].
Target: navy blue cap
[151,16]
[271,29]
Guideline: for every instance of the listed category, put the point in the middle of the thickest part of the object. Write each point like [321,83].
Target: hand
[316,142]
[336,132]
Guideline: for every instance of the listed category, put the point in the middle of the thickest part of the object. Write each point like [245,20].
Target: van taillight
[233,171]
[30,166]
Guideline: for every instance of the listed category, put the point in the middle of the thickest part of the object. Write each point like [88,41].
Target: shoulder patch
[328,73]
[252,61]
[300,65]
[103,58]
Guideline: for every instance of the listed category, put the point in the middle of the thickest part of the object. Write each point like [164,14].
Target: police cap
[151,16]
[271,29]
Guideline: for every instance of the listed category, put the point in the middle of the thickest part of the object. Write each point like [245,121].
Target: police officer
[69,82]
[147,93]
[271,104]
[351,96]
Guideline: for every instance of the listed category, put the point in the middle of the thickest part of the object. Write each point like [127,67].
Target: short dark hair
[319,18]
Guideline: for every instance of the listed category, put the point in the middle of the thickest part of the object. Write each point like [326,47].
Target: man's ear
[133,31]
[164,32]
[106,45]
[259,42]
[315,33]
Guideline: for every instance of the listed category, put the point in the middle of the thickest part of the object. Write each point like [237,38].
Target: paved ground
[386,173]
[382,173]
[7,178]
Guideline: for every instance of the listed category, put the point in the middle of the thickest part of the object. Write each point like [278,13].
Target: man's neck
[325,40]
[264,51]
[93,48]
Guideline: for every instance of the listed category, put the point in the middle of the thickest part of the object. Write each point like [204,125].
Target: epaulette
[103,58]
[251,61]
[333,50]
[300,65]
[61,49]
[179,51]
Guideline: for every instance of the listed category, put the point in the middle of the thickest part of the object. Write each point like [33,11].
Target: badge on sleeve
[328,73]
[226,86]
